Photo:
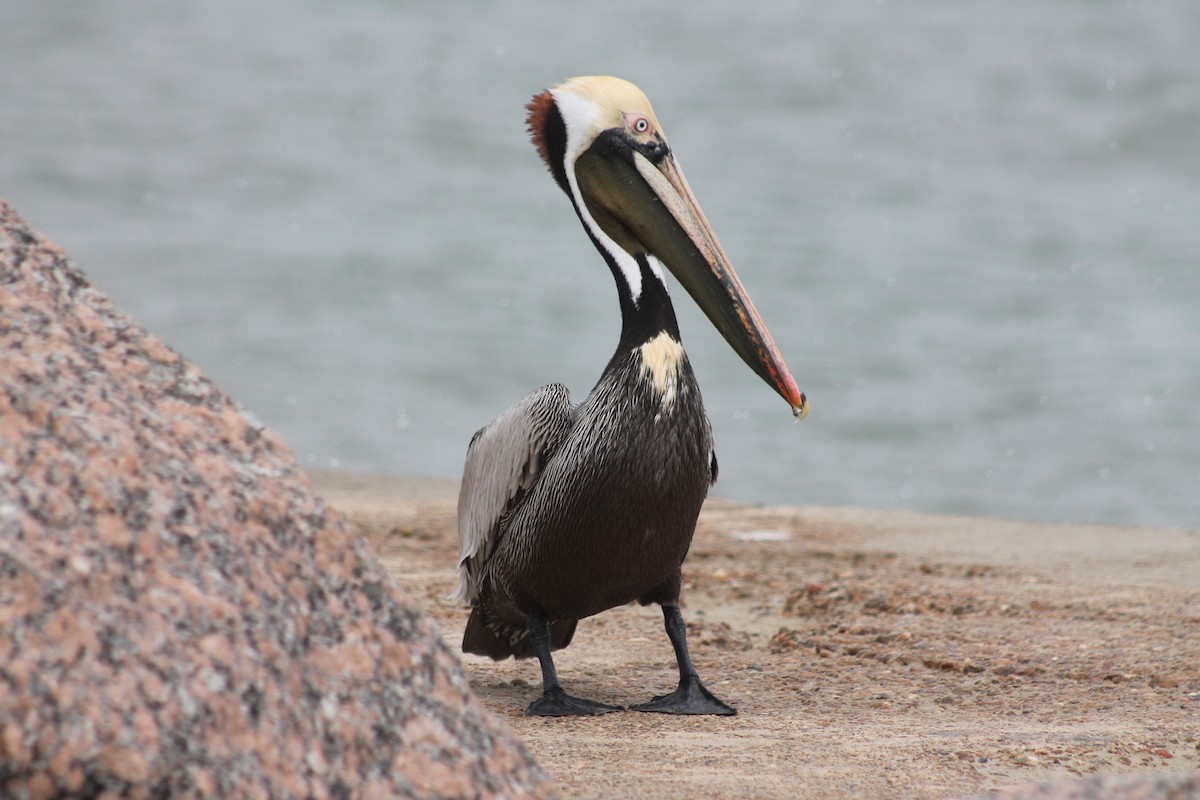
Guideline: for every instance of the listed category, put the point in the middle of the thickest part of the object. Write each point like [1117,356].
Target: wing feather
[504,460]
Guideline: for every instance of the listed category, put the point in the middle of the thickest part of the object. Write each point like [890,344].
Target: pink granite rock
[180,615]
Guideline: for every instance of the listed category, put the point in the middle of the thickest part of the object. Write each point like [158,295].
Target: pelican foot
[557,703]
[690,698]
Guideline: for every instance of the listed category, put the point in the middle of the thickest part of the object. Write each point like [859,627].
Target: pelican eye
[639,124]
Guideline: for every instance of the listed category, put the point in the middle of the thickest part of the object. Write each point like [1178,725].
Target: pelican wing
[504,460]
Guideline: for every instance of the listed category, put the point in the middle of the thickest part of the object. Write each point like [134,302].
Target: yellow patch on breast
[662,359]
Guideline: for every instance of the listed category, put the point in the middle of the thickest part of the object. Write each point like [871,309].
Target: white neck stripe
[579,116]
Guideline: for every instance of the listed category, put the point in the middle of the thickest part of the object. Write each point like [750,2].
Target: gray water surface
[973,229]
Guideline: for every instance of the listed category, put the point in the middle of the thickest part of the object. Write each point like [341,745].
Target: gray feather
[504,460]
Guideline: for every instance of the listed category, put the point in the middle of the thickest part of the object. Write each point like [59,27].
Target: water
[974,230]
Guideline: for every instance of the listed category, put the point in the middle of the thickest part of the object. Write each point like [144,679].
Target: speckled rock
[1146,786]
[180,614]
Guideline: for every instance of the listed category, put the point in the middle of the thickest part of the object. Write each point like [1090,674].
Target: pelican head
[606,150]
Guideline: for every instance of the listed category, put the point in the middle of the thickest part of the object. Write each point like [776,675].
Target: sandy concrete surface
[869,654]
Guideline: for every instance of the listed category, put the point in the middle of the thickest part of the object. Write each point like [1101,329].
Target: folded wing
[504,461]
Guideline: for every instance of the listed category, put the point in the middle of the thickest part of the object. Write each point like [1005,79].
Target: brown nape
[539,107]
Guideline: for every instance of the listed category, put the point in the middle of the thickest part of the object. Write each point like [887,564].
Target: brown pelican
[569,510]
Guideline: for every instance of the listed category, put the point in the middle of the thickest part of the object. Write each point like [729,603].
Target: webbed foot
[557,703]
[689,698]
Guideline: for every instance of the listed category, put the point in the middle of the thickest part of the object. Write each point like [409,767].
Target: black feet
[690,698]
[557,703]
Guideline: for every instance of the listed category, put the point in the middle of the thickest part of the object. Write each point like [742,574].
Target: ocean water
[973,229]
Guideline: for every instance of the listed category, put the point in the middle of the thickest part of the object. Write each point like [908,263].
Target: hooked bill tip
[800,410]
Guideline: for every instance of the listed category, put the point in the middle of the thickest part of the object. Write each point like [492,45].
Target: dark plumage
[602,525]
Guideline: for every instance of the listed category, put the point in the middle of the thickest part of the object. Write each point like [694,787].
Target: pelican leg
[690,697]
[554,702]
